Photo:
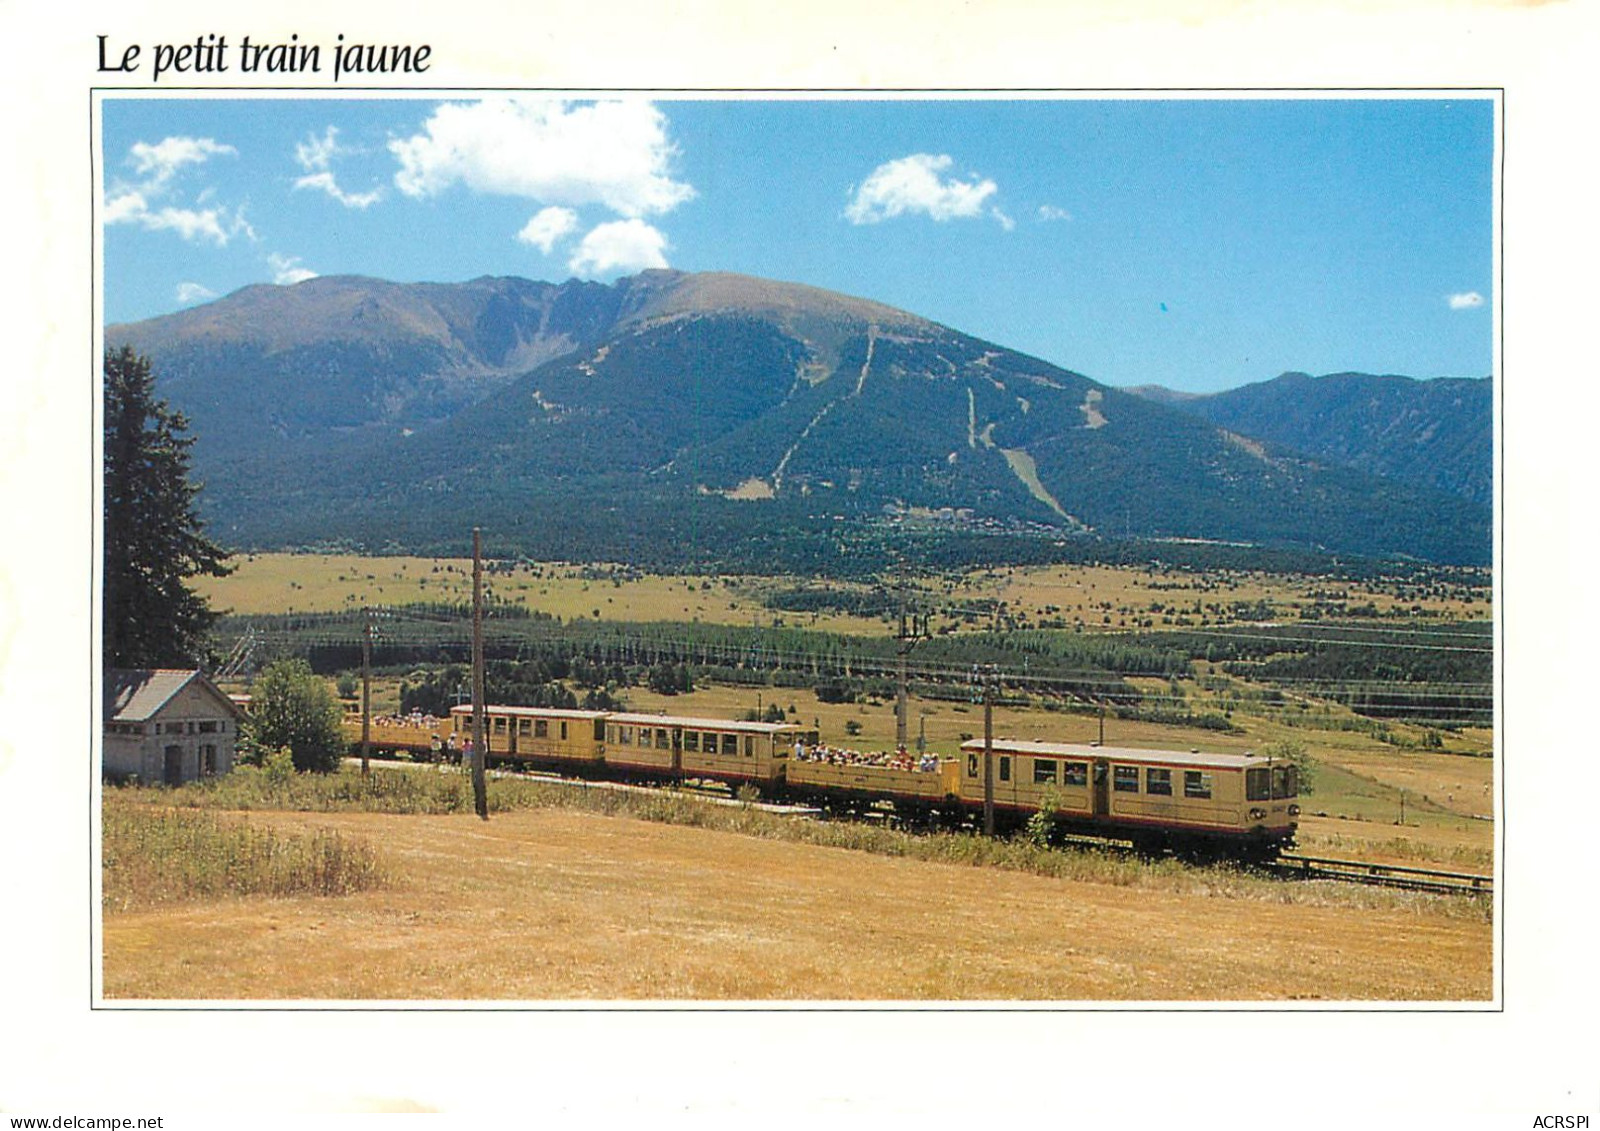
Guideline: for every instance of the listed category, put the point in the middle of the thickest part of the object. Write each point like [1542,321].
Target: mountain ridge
[1436,432]
[657,402]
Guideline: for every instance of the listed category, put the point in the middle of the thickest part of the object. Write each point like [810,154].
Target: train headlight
[1294,810]
[1258,814]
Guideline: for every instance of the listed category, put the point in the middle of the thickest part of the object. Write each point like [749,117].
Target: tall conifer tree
[154,540]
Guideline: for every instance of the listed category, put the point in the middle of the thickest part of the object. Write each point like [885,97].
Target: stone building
[167,726]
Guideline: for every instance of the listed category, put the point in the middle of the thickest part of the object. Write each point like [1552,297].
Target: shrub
[291,707]
[152,855]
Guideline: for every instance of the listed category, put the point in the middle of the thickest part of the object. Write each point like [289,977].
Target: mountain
[676,417]
[1437,433]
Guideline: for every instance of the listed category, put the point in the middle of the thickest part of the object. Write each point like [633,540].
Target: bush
[292,708]
[151,856]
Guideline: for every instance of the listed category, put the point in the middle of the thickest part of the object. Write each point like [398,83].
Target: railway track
[1382,875]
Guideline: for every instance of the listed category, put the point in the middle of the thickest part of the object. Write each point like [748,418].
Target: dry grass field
[279,583]
[555,905]
[1099,596]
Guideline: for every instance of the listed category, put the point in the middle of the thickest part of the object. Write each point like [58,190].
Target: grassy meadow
[572,894]
[1101,597]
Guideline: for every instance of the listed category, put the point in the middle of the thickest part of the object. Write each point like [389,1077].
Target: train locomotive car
[1244,804]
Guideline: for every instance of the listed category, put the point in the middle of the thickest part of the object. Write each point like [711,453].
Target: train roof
[533,712]
[639,719]
[1088,752]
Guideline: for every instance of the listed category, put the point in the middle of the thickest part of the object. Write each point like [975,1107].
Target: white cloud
[212,225]
[612,153]
[326,182]
[157,166]
[1466,300]
[159,163]
[315,155]
[913,184]
[547,226]
[191,293]
[1051,212]
[619,248]
[129,205]
[1005,221]
[286,270]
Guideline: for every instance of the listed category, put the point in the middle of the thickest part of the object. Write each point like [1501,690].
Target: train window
[1074,773]
[1125,779]
[749,746]
[612,734]
[663,739]
[972,765]
[500,724]
[625,735]
[1005,767]
[1284,783]
[563,730]
[1158,781]
[691,741]
[541,727]
[1257,784]
[1044,771]
[1196,783]
[730,746]
[599,730]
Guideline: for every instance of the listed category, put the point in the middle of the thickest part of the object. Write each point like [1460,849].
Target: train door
[1102,788]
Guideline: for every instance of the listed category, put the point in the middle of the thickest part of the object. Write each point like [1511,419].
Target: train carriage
[541,736]
[1154,797]
[909,790]
[416,734]
[684,747]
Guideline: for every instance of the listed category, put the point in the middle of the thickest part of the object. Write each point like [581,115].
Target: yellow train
[1155,798]
[1246,804]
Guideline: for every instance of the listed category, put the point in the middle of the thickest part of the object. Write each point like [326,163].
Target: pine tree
[154,541]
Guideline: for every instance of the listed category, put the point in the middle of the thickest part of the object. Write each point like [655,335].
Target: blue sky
[1200,244]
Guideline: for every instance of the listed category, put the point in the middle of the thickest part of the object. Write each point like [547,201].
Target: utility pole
[987,678]
[480,786]
[911,633]
[366,694]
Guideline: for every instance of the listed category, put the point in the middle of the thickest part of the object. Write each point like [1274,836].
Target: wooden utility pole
[910,633]
[480,785]
[366,695]
[991,678]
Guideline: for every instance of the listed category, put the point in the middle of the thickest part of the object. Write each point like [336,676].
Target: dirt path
[569,906]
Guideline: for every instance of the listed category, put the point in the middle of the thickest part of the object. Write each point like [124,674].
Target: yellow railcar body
[1179,791]
[546,735]
[416,734]
[931,786]
[724,750]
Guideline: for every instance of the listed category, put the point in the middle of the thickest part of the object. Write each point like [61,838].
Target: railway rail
[1382,875]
